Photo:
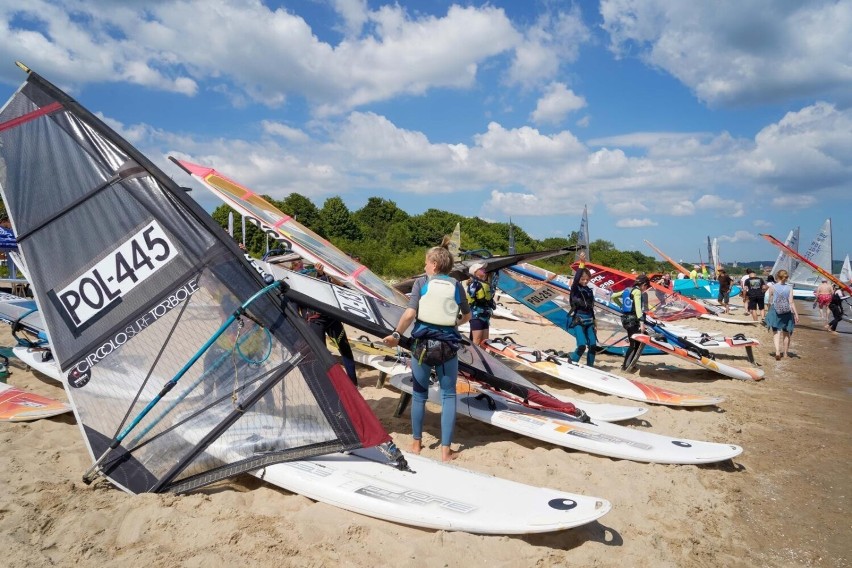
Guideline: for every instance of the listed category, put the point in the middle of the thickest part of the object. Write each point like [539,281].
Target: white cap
[476,267]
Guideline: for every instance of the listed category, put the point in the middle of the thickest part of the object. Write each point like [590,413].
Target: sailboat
[813,266]
[784,260]
[183,363]
[846,271]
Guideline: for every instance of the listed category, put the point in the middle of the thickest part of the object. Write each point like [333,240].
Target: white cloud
[739,237]
[729,207]
[794,201]
[635,223]
[739,52]
[622,208]
[168,46]
[807,150]
[761,223]
[287,132]
[554,40]
[354,13]
[557,101]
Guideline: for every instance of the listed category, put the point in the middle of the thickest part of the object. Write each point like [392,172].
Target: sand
[783,502]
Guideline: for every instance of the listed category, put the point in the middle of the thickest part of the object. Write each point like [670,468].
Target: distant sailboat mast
[511,237]
[583,236]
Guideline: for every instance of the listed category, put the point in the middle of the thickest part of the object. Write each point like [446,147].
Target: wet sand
[783,502]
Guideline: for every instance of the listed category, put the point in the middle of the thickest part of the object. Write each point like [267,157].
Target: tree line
[391,242]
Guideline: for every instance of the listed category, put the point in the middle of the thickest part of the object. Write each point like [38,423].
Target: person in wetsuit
[582,324]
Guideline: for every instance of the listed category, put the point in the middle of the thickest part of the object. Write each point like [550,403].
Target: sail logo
[119,272]
[354,303]
[81,373]
[540,296]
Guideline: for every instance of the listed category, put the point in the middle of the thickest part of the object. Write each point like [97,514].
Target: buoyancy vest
[627,301]
[439,301]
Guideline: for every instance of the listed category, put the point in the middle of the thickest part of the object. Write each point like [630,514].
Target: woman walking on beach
[582,324]
[438,304]
[783,316]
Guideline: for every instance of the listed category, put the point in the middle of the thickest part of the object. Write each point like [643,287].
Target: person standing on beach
[836,308]
[480,297]
[725,284]
[322,325]
[755,287]
[437,306]
[582,323]
[634,305]
[823,295]
[693,275]
[782,318]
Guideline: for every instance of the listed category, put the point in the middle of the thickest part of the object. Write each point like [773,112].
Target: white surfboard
[377,357]
[431,495]
[600,438]
[594,379]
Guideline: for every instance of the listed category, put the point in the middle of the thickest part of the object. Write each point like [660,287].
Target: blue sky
[671,120]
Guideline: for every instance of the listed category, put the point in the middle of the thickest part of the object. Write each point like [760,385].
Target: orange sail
[671,260]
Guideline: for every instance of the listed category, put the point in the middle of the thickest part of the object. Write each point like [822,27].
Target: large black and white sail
[139,289]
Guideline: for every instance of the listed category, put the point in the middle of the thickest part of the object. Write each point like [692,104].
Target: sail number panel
[119,272]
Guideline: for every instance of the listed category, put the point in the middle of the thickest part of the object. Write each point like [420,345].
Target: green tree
[336,222]
[300,208]
[376,217]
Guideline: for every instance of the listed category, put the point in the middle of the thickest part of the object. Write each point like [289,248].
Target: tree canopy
[392,243]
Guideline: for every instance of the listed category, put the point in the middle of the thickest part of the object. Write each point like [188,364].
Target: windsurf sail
[455,243]
[716,257]
[846,271]
[801,258]
[133,281]
[293,235]
[785,261]
[819,253]
[511,237]
[670,260]
[583,236]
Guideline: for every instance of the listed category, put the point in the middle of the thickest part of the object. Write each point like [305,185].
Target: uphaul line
[80,373]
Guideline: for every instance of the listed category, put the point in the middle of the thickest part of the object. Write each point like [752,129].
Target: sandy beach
[783,502]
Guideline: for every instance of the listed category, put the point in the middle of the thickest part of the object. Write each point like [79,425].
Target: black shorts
[724,296]
[477,324]
[755,303]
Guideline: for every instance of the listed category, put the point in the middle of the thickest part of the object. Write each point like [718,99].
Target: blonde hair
[781,276]
[442,258]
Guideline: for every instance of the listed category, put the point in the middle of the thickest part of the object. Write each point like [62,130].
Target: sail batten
[132,278]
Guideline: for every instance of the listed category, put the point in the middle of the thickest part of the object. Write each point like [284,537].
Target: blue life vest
[627,301]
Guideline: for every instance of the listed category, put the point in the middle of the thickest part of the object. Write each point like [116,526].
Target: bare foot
[447,454]
[416,447]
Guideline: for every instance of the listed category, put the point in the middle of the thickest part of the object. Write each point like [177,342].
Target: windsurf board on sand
[602,438]
[594,379]
[19,405]
[702,360]
[431,495]
[387,360]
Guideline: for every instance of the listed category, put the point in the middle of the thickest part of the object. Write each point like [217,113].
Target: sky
[672,121]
